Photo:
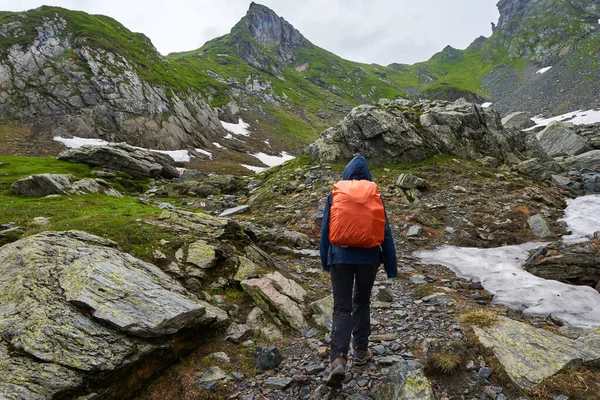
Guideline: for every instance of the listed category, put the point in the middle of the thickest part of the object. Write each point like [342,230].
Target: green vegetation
[120,219]
[479,318]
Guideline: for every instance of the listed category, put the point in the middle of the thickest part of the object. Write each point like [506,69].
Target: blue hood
[357,169]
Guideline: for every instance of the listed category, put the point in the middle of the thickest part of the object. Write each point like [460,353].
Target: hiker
[353,262]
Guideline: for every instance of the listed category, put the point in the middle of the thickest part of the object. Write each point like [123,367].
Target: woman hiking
[356,239]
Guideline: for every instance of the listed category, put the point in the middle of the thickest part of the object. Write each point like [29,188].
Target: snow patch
[77,142]
[272,161]
[541,71]
[241,128]
[253,168]
[209,154]
[218,145]
[578,117]
[582,218]
[177,155]
[500,272]
[486,105]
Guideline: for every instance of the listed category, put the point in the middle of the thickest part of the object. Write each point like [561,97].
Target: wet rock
[529,355]
[405,381]
[267,358]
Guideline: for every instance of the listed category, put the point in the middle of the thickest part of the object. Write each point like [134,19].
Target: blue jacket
[332,254]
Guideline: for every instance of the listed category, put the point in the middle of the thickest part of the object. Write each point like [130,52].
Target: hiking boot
[361,357]
[337,373]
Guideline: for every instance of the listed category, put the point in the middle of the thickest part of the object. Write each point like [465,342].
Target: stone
[414,231]
[517,120]
[530,355]
[136,162]
[385,295]
[321,312]
[297,239]
[287,286]
[238,333]
[93,186]
[407,181]
[588,160]
[267,358]
[558,139]
[277,382]
[42,185]
[41,221]
[405,381]
[91,313]
[212,374]
[538,169]
[220,356]
[262,325]
[201,255]
[246,269]
[540,227]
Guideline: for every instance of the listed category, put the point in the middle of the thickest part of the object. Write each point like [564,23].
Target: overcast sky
[369,31]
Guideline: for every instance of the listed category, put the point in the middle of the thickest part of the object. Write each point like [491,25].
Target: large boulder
[404,131]
[405,381]
[559,139]
[588,160]
[76,312]
[50,184]
[517,120]
[123,157]
[529,355]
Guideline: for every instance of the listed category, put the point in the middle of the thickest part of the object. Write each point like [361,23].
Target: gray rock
[517,120]
[405,381]
[321,312]
[558,139]
[212,374]
[238,333]
[274,382]
[530,355]
[589,160]
[538,169]
[407,181]
[90,309]
[385,295]
[122,157]
[540,227]
[262,325]
[414,231]
[42,185]
[267,358]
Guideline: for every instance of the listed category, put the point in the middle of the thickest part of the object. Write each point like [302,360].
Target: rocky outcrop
[517,120]
[138,163]
[529,355]
[405,131]
[67,84]
[76,311]
[49,184]
[589,160]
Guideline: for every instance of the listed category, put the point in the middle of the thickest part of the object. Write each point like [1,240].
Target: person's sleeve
[324,243]
[389,251]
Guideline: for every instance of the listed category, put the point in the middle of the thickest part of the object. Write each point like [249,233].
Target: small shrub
[445,362]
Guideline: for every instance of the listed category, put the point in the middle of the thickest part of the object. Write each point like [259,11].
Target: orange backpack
[357,217]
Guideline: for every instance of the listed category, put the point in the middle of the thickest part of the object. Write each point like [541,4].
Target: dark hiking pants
[351,311]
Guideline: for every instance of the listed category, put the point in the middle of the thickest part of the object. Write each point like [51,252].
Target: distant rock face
[69,87]
[405,131]
[122,157]
[73,304]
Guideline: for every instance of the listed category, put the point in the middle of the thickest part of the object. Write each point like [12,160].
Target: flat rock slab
[71,304]
[529,355]
[233,211]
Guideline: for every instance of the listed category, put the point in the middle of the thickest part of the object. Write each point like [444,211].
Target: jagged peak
[270,29]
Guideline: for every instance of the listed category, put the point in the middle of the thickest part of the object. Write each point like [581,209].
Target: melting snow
[578,117]
[500,272]
[217,145]
[582,217]
[253,168]
[486,105]
[177,155]
[541,71]
[241,128]
[272,161]
[209,154]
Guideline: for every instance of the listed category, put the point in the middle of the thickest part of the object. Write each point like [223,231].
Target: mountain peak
[271,30]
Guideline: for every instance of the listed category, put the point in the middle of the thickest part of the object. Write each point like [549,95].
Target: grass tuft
[479,318]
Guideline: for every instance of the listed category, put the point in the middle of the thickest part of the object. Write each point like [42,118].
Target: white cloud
[374,31]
